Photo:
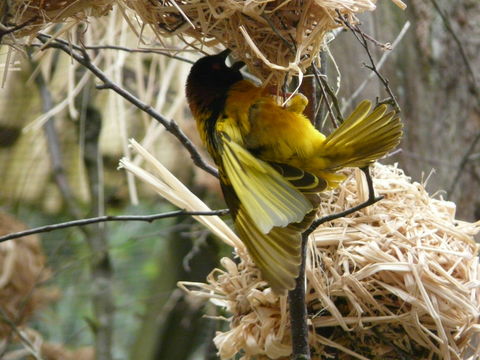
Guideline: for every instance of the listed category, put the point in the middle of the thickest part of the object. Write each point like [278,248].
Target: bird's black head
[209,80]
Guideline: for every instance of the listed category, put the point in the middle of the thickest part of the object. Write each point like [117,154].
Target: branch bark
[107,218]
[80,55]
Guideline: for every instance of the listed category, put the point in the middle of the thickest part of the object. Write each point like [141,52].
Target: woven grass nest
[275,38]
[399,279]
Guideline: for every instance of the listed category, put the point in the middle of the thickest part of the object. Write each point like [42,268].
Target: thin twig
[99,219]
[325,98]
[290,43]
[326,89]
[80,55]
[4,30]
[372,199]
[320,111]
[101,268]
[143,51]
[379,65]
[361,37]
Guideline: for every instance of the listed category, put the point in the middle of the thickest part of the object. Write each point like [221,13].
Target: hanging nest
[22,270]
[399,279]
[274,38]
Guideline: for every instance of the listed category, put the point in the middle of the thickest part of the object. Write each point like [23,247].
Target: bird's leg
[297,103]
[372,199]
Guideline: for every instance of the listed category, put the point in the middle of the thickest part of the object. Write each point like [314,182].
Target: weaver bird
[272,162]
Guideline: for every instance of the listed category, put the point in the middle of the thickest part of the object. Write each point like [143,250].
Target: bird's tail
[362,138]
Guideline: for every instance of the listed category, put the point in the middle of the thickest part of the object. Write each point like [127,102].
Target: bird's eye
[216,66]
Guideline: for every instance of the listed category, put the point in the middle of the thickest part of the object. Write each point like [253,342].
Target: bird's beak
[236,66]
[224,54]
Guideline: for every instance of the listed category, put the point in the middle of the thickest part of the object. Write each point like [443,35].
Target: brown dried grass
[22,269]
[400,278]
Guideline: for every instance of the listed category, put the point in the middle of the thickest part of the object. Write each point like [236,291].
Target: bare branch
[298,311]
[80,55]
[101,269]
[363,40]
[4,30]
[370,201]
[54,150]
[326,89]
[379,65]
[106,218]
[143,51]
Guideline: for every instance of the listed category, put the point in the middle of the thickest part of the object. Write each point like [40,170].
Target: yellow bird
[272,162]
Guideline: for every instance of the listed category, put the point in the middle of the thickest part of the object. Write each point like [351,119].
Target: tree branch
[143,51]
[80,55]
[54,149]
[326,89]
[463,163]
[107,218]
[101,268]
[379,65]
[4,30]
[372,199]
[363,40]
[298,311]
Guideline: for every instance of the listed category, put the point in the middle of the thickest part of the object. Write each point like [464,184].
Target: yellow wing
[277,254]
[272,204]
[266,196]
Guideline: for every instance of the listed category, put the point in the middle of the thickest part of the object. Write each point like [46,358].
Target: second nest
[399,279]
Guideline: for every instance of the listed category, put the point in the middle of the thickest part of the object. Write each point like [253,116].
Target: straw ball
[399,279]
[273,37]
[22,269]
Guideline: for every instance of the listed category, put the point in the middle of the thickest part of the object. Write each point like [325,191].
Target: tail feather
[362,138]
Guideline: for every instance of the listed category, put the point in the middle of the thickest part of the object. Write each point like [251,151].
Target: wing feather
[268,198]
[276,254]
